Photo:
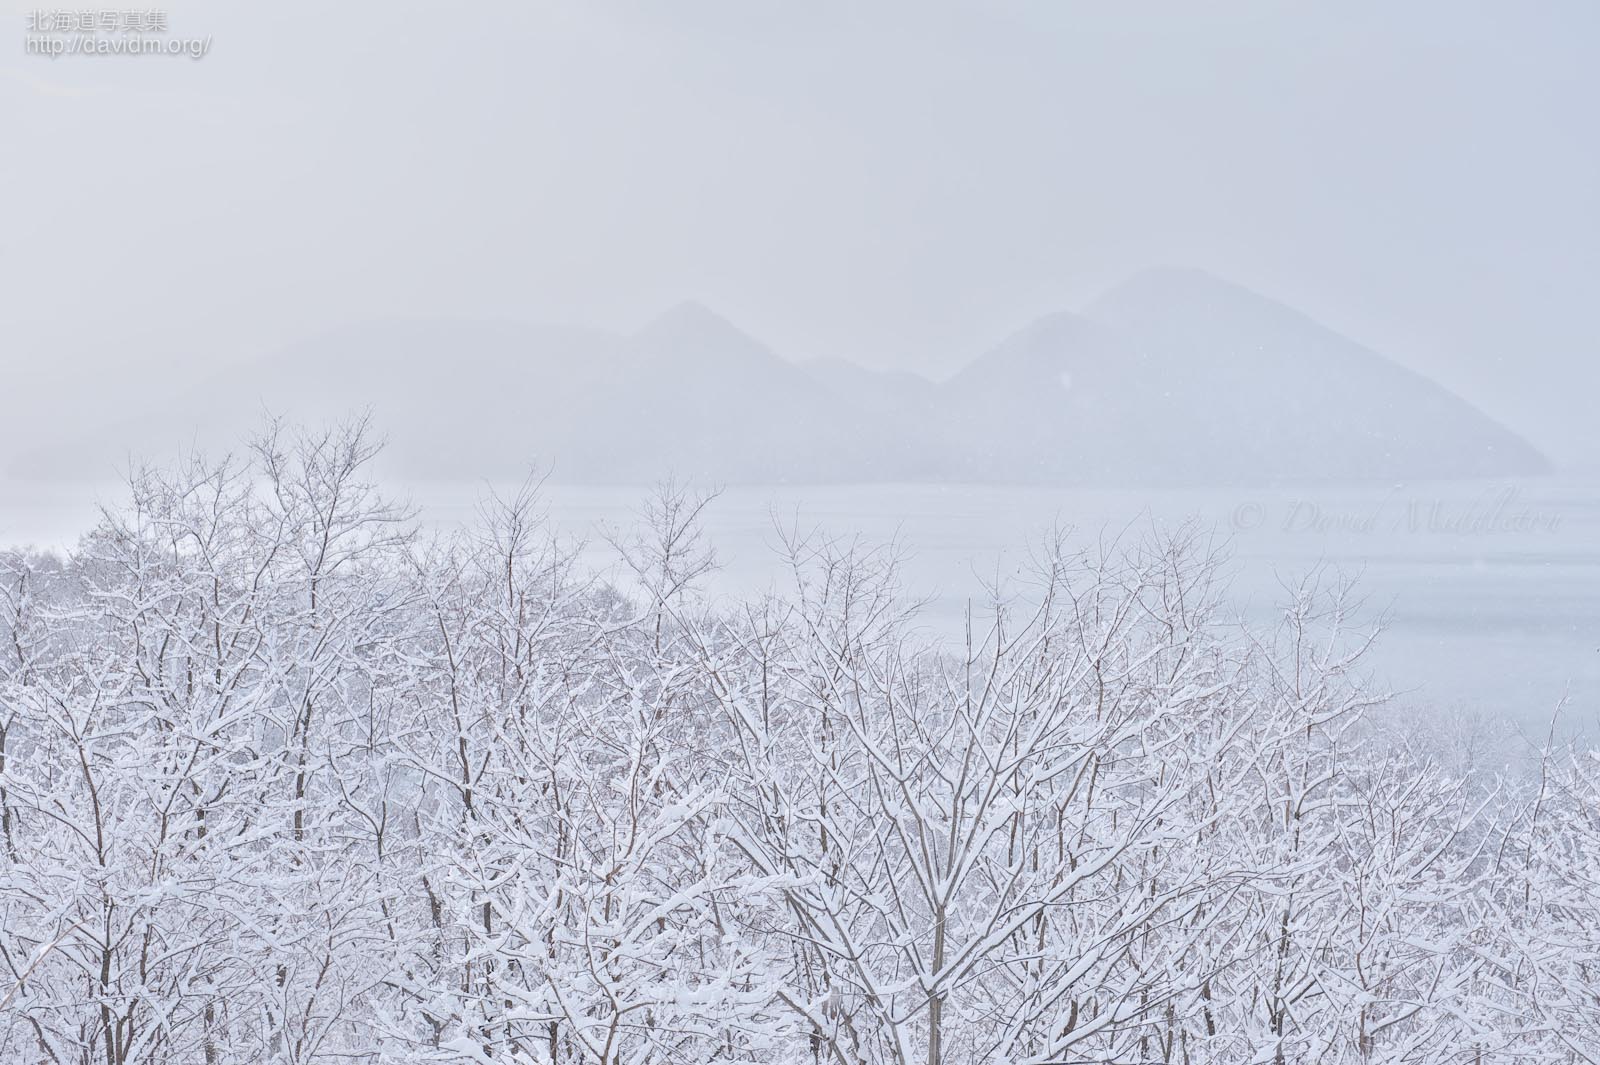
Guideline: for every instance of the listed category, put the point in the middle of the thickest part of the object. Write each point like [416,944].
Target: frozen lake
[1492,589]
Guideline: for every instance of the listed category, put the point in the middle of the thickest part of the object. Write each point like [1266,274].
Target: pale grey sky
[897,183]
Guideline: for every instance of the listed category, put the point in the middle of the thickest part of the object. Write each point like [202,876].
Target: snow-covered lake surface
[1491,589]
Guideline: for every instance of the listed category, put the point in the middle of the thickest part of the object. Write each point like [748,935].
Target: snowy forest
[288,776]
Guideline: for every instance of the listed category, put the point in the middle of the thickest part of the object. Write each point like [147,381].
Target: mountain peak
[1192,295]
[1063,326]
[688,313]
[1256,379]
[691,329]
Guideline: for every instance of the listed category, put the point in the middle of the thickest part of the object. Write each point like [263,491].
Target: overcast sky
[897,183]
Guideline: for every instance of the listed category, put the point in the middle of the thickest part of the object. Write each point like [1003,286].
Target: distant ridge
[692,332]
[1239,373]
[1174,377]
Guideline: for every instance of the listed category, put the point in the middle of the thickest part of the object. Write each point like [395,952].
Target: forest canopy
[285,776]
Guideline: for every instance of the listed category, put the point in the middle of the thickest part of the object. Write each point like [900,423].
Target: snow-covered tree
[284,779]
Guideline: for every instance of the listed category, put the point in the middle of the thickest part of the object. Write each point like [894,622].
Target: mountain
[902,417]
[689,394]
[694,395]
[1244,386]
[1174,377]
[884,393]
[1064,400]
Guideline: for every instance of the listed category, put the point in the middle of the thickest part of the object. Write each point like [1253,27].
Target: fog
[896,184]
[860,532]
[476,225]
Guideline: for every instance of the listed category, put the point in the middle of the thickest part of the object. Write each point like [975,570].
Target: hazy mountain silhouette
[1237,377]
[1174,377]
[1064,400]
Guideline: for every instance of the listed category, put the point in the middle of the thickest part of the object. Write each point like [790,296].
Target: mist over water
[1488,592]
[1056,532]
